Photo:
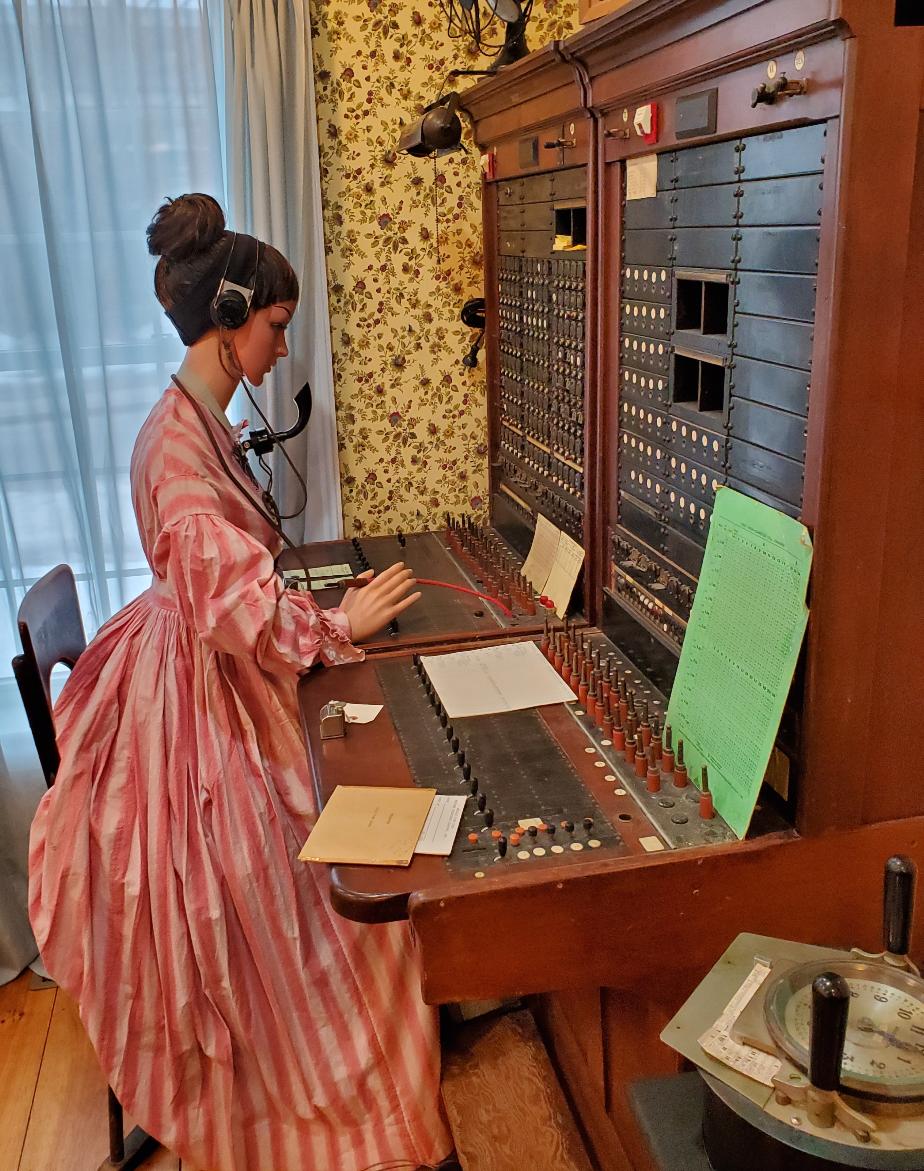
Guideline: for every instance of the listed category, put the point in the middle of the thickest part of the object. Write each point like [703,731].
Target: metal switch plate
[695,114]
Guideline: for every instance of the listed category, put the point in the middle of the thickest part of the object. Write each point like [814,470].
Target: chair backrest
[51,631]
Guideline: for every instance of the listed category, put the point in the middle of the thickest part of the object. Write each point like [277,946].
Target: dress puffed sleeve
[226,587]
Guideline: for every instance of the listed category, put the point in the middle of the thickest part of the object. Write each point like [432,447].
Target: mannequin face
[261,340]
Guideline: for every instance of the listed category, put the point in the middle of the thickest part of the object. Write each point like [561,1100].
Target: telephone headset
[230,309]
[231,304]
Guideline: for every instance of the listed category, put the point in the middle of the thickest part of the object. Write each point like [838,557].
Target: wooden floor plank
[68,1128]
[24,1021]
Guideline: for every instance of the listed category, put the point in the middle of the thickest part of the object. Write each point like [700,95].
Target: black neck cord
[272,521]
[285,456]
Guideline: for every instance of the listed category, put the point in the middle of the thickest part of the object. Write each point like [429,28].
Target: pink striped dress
[239,1019]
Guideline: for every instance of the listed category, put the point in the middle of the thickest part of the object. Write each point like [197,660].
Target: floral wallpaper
[404,252]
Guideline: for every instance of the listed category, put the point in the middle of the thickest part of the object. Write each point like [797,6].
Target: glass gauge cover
[884,1049]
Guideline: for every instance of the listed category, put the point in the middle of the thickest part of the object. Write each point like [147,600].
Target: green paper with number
[740,649]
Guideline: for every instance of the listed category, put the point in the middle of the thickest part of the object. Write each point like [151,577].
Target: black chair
[51,632]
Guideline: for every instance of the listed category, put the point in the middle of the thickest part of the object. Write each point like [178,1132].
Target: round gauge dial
[884,1048]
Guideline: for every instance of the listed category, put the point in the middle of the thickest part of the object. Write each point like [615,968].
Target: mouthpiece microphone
[261,440]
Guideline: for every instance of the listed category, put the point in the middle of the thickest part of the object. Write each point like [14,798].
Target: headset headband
[228,304]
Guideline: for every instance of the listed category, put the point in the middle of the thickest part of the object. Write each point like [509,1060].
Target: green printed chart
[740,650]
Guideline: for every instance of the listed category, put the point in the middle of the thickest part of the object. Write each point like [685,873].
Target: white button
[479,874]
[600,763]
[558,849]
[523,855]
[539,852]
[577,845]
[593,843]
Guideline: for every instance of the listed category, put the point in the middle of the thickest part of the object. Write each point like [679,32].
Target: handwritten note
[541,556]
[642,177]
[569,557]
[739,654]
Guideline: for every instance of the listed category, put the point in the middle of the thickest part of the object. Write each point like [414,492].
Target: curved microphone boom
[262,440]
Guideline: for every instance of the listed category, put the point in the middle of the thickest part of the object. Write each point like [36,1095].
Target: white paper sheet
[569,558]
[541,556]
[496,679]
[642,177]
[439,832]
[361,713]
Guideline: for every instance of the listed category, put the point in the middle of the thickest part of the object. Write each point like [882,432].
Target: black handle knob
[898,904]
[501,847]
[763,95]
[482,801]
[489,817]
[466,769]
[830,1004]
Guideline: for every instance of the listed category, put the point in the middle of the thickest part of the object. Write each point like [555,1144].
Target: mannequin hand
[384,598]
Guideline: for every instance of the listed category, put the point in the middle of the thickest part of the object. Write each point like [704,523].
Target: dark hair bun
[185,226]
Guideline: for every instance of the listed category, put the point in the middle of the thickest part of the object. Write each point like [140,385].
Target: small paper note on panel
[740,649]
[642,177]
[541,556]
[495,679]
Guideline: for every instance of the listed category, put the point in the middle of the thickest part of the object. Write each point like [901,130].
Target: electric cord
[232,368]
[272,520]
[271,517]
[448,585]
[285,456]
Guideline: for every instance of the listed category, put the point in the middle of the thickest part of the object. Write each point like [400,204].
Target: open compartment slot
[701,303]
[570,227]
[698,382]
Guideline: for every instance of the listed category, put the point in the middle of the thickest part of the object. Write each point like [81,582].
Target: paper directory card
[553,563]
[569,557]
[740,649]
[541,556]
[496,679]
[369,825]
[642,177]
[439,832]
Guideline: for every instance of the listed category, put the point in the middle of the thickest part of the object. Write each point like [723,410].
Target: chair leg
[125,1152]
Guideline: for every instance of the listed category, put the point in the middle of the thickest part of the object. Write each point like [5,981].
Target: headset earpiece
[231,305]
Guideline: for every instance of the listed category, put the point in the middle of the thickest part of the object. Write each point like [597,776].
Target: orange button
[473,837]
[496,833]
[514,839]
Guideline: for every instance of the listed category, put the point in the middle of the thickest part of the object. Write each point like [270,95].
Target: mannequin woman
[240,1020]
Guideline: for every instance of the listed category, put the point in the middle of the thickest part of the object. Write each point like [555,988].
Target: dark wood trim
[623,926]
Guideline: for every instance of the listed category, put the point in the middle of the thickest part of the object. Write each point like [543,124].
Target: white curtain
[275,193]
[106,107]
